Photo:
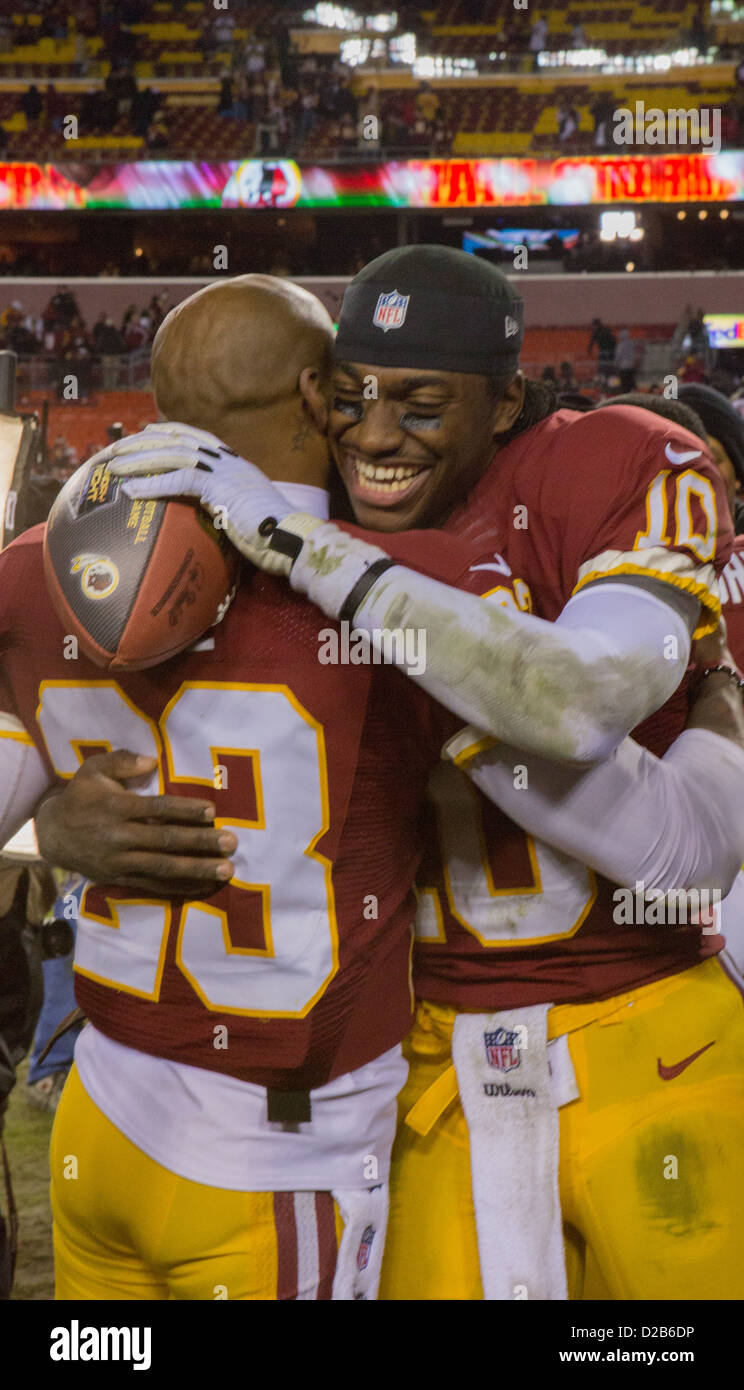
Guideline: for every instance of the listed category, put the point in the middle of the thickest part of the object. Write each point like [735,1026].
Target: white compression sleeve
[569,690]
[23,778]
[677,822]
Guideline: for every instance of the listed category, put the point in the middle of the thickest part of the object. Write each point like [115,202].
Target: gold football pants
[650,1152]
[127,1228]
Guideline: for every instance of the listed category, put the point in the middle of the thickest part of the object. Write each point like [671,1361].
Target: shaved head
[250,359]
[236,347]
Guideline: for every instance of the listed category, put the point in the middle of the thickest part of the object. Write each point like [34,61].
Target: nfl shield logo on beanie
[390,310]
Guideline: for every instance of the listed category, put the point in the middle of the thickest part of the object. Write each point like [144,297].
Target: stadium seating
[496,117]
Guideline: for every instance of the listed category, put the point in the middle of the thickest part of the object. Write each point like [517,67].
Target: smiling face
[409,444]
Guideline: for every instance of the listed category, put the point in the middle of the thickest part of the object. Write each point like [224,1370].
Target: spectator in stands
[225,100]
[442,137]
[568,122]
[602,110]
[427,103]
[394,125]
[56,106]
[626,361]
[538,39]
[255,58]
[348,134]
[32,104]
[3,141]
[267,129]
[6,34]
[308,113]
[207,41]
[730,126]
[61,309]
[698,31]
[578,36]
[60,460]
[157,136]
[567,378]
[109,345]
[605,340]
[224,29]
[144,105]
[137,333]
[122,87]
[549,377]
[692,369]
[241,98]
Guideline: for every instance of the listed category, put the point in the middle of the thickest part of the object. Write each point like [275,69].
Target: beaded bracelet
[724,670]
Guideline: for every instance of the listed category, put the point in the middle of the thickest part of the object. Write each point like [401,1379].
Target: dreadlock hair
[540,401]
[672,409]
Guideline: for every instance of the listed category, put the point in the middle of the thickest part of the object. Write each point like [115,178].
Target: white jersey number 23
[276,856]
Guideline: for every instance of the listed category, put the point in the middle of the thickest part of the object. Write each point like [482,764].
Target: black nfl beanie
[721,419]
[431,307]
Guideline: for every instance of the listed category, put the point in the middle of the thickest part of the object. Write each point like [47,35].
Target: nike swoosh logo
[669,1073]
[500,568]
[685,457]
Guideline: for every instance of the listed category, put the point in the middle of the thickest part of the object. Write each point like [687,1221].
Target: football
[135,582]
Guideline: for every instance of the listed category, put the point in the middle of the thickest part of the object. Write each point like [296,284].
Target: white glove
[237,495]
[326,564]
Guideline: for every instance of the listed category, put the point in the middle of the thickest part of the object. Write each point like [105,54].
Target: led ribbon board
[162,185]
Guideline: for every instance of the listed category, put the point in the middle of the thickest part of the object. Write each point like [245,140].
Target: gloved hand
[332,568]
[237,495]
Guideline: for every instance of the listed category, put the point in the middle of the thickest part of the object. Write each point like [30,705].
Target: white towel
[359,1263]
[511,1109]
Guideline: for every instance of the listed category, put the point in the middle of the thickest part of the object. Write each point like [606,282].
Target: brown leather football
[135,581]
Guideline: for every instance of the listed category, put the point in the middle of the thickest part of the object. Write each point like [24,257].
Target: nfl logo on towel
[500,1050]
[365,1245]
[390,311]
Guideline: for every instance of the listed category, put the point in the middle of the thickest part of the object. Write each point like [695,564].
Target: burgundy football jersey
[586,496]
[732,600]
[298,970]
[504,920]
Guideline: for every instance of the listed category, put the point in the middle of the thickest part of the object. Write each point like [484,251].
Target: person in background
[606,343]
[692,369]
[32,104]
[25,888]
[567,378]
[538,39]
[725,428]
[427,103]
[225,100]
[625,360]
[601,112]
[47,1076]
[568,122]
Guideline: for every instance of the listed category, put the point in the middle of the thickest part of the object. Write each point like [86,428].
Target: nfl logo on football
[365,1246]
[502,1049]
[390,311]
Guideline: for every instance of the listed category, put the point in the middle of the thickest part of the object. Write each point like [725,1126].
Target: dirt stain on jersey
[682,1204]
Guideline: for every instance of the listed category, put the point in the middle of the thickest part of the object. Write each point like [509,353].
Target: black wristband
[362,588]
[285,542]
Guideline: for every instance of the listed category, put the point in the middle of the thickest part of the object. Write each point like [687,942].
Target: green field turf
[27,1131]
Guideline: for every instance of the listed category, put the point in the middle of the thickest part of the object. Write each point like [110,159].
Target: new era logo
[390,311]
[510,326]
